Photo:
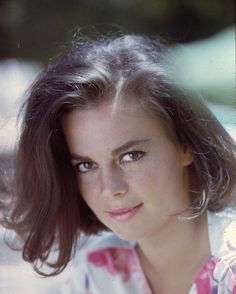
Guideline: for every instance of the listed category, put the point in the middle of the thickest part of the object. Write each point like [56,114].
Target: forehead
[110,125]
[107,114]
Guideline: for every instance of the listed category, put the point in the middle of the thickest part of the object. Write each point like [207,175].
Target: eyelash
[140,155]
[134,152]
[77,166]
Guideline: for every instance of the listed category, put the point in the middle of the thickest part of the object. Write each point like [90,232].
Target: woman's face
[130,171]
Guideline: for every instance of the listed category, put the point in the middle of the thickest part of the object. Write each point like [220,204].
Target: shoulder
[222,232]
[103,263]
[222,235]
[103,252]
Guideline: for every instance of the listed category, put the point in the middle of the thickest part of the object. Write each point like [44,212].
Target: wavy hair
[48,207]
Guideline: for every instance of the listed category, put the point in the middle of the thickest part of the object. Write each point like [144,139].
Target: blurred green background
[201,34]
[35,29]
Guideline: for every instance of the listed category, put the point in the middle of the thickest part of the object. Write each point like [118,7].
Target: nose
[113,182]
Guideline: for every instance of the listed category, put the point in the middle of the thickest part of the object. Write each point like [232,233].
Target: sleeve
[225,276]
[76,279]
[223,245]
[225,271]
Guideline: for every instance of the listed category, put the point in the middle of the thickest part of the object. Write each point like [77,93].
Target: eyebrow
[128,145]
[116,151]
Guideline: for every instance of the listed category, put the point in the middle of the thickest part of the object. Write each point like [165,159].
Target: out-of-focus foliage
[15,77]
[35,29]
[208,66]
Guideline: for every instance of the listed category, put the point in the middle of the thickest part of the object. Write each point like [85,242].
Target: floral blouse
[107,264]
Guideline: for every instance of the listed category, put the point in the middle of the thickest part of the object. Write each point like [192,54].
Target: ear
[186,157]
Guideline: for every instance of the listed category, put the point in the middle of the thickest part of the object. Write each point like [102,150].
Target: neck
[171,252]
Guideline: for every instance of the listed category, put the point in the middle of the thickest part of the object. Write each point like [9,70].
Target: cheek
[87,188]
[161,174]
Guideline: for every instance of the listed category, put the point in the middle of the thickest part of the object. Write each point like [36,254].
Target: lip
[124,213]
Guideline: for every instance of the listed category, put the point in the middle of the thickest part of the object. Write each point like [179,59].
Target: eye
[131,156]
[84,167]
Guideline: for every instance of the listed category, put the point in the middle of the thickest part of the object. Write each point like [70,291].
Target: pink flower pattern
[115,260]
[115,265]
[123,262]
[203,281]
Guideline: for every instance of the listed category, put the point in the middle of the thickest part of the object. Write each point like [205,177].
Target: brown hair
[49,208]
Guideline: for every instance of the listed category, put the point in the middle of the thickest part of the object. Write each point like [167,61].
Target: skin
[153,173]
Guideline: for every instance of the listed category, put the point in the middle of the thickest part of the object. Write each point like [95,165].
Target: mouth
[125,213]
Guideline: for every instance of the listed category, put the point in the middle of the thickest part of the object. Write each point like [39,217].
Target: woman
[109,143]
